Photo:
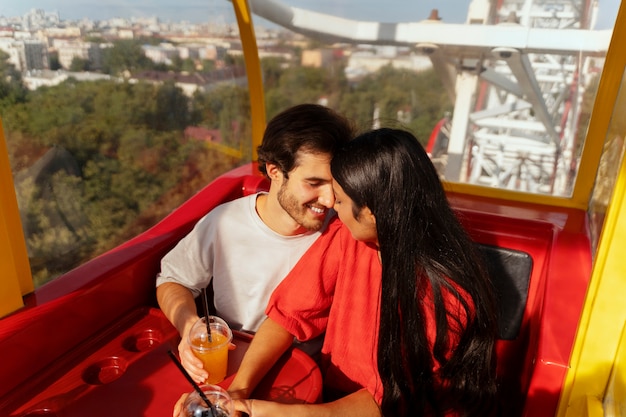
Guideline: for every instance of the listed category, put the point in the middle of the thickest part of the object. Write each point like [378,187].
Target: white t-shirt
[243,256]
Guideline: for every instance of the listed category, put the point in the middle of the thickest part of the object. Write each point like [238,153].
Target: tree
[54,63]
[418,95]
[12,91]
[172,108]
[208,65]
[126,55]
[298,85]
[80,64]
[272,71]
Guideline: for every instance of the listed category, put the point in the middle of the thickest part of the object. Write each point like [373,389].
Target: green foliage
[299,85]
[80,64]
[125,56]
[172,109]
[188,65]
[57,230]
[12,91]
[408,99]
[207,65]
[127,141]
[272,70]
[95,38]
[54,62]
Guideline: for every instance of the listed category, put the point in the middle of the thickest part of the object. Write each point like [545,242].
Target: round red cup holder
[105,371]
[143,341]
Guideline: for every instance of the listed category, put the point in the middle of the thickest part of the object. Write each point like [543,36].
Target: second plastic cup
[214,352]
[194,406]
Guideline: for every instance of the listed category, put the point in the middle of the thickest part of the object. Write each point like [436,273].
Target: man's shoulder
[234,213]
[238,204]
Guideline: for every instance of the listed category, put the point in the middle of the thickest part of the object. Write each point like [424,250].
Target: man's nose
[327,196]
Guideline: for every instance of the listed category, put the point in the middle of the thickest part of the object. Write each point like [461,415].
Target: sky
[197,11]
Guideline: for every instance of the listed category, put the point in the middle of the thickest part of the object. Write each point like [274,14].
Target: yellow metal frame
[253,70]
[615,396]
[16,276]
[604,314]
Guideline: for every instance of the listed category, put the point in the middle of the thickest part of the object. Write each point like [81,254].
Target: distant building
[26,55]
[35,79]
[6,32]
[161,54]
[62,32]
[364,62]
[125,33]
[196,82]
[190,51]
[276,52]
[88,51]
[47,78]
[38,18]
[317,57]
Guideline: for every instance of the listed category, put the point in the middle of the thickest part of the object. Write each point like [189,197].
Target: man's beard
[298,212]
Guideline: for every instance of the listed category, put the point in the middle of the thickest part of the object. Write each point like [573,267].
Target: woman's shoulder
[335,229]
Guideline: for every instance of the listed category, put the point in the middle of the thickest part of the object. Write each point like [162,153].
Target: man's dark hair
[302,128]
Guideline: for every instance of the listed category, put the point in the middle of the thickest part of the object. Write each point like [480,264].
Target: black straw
[193,383]
[205,305]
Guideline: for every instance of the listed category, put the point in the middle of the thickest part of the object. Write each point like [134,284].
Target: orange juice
[213,354]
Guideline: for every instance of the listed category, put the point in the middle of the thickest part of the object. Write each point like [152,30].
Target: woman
[388,173]
[399,290]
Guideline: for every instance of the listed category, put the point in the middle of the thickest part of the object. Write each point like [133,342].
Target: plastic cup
[213,353]
[194,406]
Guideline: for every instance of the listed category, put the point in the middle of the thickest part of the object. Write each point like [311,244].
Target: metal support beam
[523,72]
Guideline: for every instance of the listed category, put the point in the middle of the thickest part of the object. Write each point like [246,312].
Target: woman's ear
[367,215]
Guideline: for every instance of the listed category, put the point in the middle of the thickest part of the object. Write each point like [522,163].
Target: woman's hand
[260,408]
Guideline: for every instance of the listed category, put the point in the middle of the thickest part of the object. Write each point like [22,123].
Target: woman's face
[363,227]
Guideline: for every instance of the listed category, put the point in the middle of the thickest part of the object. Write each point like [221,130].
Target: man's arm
[178,305]
[268,345]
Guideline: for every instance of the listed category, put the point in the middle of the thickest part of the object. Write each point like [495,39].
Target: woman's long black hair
[422,245]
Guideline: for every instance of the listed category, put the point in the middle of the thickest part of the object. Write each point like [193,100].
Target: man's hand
[179,411]
[190,362]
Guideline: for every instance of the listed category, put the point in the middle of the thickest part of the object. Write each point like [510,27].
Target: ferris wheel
[516,71]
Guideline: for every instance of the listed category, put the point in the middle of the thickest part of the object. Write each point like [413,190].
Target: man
[245,247]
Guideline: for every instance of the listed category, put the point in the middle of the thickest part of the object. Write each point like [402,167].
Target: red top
[336,287]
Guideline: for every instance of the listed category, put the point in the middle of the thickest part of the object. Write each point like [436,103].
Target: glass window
[114,116]
[500,96]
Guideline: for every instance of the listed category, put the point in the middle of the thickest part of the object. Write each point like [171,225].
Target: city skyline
[197,11]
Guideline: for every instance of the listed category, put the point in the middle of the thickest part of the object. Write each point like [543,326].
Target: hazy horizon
[195,11]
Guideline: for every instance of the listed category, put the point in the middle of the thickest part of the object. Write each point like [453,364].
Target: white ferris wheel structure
[516,71]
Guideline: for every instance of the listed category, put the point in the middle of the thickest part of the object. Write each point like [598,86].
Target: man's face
[307,194]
